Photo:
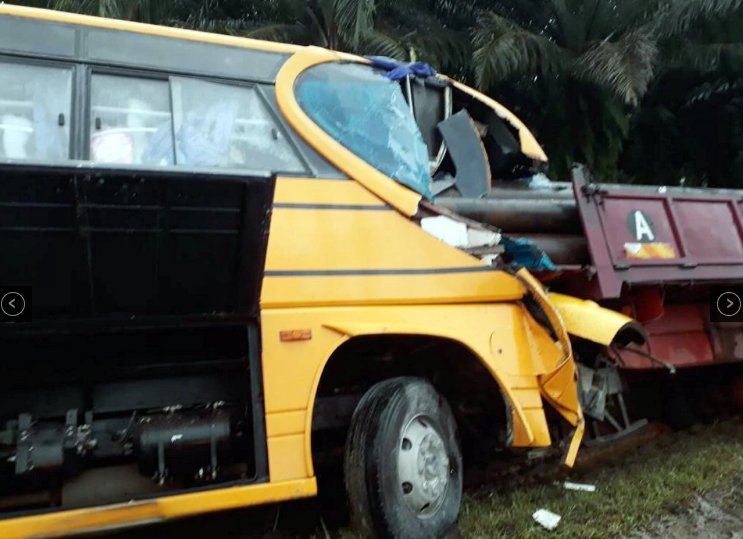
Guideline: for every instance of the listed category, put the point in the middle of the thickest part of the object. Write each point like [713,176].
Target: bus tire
[403,462]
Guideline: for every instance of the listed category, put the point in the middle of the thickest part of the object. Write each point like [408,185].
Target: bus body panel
[119,516]
[335,243]
[515,350]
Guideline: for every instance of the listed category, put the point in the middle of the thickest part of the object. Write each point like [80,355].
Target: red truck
[656,254]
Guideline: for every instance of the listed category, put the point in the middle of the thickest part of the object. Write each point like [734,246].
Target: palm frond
[444,48]
[286,33]
[701,57]
[150,11]
[674,17]
[625,66]
[323,25]
[531,14]
[87,7]
[231,27]
[568,26]
[710,90]
[354,18]
[378,44]
[613,17]
[504,49]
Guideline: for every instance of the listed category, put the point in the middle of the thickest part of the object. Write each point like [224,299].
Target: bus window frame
[258,87]
[87,92]
[58,64]
[80,119]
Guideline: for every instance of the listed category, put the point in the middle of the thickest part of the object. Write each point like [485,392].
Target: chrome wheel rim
[422,467]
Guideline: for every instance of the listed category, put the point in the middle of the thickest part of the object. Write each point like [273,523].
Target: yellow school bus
[221,264]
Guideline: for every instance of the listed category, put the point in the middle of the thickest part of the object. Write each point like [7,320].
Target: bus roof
[150,29]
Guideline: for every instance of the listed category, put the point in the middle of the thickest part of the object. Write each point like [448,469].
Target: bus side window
[35,107]
[130,121]
[219,125]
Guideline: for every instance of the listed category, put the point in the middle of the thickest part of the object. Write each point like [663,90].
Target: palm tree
[590,40]
[345,25]
[150,11]
[611,43]
[576,69]
[433,31]
[690,126]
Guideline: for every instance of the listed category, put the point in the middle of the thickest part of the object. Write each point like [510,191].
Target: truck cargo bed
[623,235]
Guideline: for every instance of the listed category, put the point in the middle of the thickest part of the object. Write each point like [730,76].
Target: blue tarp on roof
[397,70]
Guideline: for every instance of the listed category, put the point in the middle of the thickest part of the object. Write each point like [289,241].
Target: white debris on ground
[579,486]
[547,519]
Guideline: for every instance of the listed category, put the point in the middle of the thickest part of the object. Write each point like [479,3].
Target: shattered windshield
[367,113]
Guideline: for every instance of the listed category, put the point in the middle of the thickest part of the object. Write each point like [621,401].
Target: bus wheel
[403,465]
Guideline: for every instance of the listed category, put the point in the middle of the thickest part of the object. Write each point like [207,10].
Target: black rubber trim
[416,271]
[303,206]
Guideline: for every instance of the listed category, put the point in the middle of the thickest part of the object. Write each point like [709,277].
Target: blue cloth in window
[528,255]
[160,149]
[370,117]
[203,139]
[397,70]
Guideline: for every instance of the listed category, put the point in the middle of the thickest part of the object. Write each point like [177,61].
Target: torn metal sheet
[594,389]
[430,101]
[466,150]
[458,234]
[448,230]
[439,185]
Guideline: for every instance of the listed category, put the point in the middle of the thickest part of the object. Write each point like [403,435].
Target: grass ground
[686,485]
[636,492]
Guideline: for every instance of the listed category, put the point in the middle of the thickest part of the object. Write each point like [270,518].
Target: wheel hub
[423,467]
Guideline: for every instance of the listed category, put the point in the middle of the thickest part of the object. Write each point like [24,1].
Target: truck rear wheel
[403,464]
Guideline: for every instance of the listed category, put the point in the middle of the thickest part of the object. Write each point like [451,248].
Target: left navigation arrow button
[12,304]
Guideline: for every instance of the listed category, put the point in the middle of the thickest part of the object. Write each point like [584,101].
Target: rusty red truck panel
[641,238]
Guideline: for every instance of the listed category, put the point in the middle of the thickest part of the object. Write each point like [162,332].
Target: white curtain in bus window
[218,125]
[35,104]
[130,121]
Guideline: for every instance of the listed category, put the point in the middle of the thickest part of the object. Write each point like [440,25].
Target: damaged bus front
[480,317]
[235,269]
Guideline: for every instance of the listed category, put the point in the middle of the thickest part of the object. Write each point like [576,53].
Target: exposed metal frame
[435,163]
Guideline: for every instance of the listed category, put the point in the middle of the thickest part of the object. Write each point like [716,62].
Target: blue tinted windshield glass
[367,113]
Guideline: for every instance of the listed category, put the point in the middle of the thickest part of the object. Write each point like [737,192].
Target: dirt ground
[718,514]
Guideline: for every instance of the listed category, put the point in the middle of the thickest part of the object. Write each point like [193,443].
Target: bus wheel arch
[479,404]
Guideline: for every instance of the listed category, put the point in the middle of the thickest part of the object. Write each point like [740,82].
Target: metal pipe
[519,216]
